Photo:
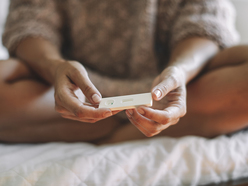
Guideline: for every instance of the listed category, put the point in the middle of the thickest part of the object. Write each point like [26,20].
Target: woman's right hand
[71,77]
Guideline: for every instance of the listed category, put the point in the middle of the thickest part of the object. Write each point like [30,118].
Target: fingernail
[158,93]
[130,112]
[96,98]
[141,111]
[107,114]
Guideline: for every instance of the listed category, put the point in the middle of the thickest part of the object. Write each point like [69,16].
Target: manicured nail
[96,98]
[130,112]
[158,93]
[141,111]
[107,114]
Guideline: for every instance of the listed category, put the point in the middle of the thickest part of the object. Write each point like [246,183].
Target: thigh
[23,96]
[27,111]
[217,100]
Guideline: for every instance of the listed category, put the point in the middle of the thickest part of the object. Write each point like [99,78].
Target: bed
[160,161]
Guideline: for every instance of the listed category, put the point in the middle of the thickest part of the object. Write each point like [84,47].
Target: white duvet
[158,161]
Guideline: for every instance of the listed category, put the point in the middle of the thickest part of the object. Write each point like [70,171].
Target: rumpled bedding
[158,161]
[153,162]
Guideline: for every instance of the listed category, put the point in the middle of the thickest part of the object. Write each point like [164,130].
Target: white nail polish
[158,93]
[96,98]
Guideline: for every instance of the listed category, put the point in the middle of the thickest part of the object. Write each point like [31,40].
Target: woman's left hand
[169,94]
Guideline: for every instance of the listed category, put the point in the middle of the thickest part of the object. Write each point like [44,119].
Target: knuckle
[176,121]
[174,80]
[184,111]
[165,120]
[97,115]
[182,107]
[75,73]
[60,94]
[154,131]
[137,119]
[78,70]
[148,135]
[87,89]
[151,134]
[79,114]
[164,89]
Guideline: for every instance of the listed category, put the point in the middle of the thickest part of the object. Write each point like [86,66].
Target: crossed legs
[217,100]
[27,111]
[217,103]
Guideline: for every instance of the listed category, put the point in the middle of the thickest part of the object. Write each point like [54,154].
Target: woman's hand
[72,87]
[169,93]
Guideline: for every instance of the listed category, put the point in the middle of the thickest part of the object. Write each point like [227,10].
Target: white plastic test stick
[126,102]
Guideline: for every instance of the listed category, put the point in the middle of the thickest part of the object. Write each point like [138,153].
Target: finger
[167,116]
[145,125]
[61,109]
[71,117]
[91,105]
[81,79]
[116,112]
[72,104]
[139,126]
[163,88]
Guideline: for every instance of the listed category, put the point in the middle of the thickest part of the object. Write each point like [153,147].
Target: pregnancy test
[126,102]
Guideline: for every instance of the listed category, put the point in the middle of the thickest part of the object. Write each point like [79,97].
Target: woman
[83,50]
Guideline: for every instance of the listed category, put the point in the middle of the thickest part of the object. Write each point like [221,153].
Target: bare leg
[27,111]
[217,100]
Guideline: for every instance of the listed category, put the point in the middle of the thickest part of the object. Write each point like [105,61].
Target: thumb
[90,91]
[163,88]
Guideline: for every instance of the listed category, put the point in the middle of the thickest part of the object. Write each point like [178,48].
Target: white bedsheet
[158,161]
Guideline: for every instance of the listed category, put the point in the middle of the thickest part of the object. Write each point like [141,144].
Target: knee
[235,55]
[6,68]
[13,69]
[238,54]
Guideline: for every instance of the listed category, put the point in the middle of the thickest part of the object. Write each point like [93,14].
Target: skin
[169,88]
[42,72]
[220,106]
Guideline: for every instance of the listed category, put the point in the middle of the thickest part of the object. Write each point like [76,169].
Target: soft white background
[3,11]
[241,21]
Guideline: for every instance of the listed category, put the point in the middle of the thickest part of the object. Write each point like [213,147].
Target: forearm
[191,55]
[41,55]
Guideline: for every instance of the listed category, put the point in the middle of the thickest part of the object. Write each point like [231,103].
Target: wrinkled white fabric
[158,161]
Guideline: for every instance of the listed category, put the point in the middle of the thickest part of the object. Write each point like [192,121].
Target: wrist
[178,72]
[52,65]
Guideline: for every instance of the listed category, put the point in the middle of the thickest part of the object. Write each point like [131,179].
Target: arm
[66,76]
[200,30]
[41,55]
[191,55]
[35,37]
[169,88]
